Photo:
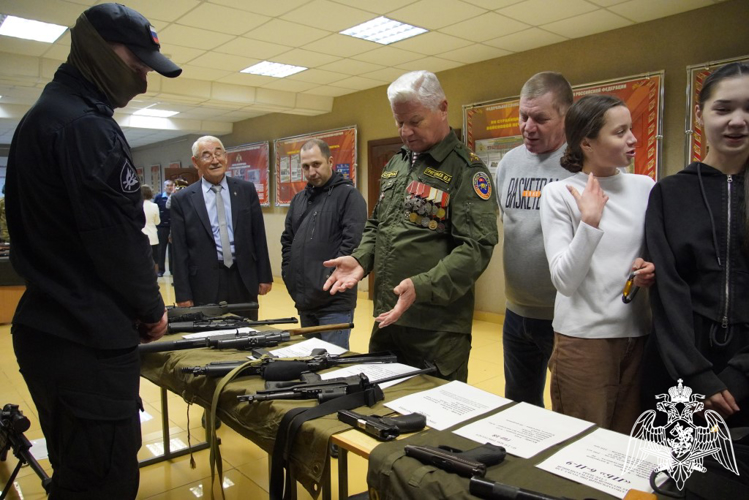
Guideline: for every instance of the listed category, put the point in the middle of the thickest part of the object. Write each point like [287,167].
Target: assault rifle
[238,340]
[281,369]
[245,343]
[223,323]
[313,387]
[383,428]
[193,313]
[254,339]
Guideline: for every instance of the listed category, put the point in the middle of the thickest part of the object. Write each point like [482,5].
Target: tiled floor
[245,465]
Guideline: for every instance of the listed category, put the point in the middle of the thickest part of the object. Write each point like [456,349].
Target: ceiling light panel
[384,31]
[28,29]
[276,70]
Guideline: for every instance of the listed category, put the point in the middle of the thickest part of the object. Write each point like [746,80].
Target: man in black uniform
[75,215]
[164,226]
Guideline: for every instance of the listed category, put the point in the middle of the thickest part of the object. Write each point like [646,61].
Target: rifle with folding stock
[194,313]
[223,323]
[281,369]
[238,340]
[312,386]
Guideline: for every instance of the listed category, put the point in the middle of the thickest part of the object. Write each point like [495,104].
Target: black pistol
[464,463]
[383,428]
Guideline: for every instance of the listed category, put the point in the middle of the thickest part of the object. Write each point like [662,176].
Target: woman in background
[593,226]
[151,210]
[696,233]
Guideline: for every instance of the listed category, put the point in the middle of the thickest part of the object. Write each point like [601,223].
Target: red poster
[492,128]
[250,162]
[289,177]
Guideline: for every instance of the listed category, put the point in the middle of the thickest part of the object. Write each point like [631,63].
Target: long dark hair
[584,120]
[730,70]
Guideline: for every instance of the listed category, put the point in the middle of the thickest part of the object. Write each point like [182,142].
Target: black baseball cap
[120,24]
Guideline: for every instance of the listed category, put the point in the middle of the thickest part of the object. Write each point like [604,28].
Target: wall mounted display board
[492,129]
[289,177]
[141,175]
[696,74]
[156,178]
[251,162]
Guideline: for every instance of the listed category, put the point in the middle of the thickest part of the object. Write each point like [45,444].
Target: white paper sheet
[597,461]
[305,348]
[449,404]
[524,430]
[374,372]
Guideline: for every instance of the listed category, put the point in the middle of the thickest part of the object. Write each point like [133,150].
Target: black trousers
[88,403]
[231,288]
[164,247]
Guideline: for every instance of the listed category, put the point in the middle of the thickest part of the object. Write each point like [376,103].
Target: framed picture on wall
[175,164]
[251,162]
[155,170]
[492,128]
[289,177]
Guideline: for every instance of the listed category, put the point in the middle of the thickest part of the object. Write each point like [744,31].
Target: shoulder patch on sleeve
[482,185]
[129,181]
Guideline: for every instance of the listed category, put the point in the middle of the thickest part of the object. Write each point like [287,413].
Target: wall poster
[251,162]
[491,128]
[156,178]
[289,177]
[696,74]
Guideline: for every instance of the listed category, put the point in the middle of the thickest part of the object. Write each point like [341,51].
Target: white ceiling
[213,39]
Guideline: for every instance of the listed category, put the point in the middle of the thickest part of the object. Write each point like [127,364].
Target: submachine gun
[194,313]
[283,369]
[239,340]
[312,386]
[12,426]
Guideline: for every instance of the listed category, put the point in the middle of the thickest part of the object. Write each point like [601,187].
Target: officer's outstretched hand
[348,272]
[153,331]
[406,296]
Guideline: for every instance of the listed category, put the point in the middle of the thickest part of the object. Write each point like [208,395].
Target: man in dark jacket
[164,227]
[75,214]
[324,221]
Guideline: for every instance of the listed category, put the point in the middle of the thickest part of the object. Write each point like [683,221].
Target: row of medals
[425,212]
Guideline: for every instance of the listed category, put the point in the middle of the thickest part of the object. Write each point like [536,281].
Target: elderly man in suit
[220,251]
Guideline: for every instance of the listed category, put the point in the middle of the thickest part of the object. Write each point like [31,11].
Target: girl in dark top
[696,234]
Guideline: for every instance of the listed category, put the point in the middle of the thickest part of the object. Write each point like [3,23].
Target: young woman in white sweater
[593,227]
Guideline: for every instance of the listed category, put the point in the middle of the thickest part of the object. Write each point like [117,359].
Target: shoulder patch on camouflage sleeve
[482,185]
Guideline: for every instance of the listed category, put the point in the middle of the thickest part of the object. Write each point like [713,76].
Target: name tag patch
[437,174]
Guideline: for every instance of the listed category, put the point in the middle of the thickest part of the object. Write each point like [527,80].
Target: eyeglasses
[218,154]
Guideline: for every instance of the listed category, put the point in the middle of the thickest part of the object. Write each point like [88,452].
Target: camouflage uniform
[436,223]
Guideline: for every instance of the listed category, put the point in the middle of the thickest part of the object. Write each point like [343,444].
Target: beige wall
[670,44]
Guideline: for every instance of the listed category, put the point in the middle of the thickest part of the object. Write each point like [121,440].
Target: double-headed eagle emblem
[689,444]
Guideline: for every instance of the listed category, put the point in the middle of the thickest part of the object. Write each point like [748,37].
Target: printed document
[524,430]
[597,461]
[448,404]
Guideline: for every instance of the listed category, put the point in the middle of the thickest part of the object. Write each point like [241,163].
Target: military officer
[430,237]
